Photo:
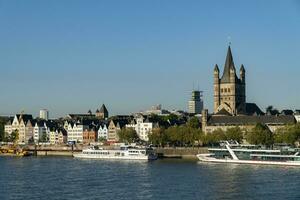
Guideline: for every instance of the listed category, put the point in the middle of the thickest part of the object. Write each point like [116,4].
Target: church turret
[216,74]
[242,74]
[216,87]
[232,75]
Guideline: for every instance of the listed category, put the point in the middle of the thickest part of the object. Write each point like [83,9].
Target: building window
[228,89]
[225,89]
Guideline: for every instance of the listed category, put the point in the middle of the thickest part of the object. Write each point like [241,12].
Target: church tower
[229,90]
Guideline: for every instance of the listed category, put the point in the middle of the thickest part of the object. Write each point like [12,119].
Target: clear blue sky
[71,56]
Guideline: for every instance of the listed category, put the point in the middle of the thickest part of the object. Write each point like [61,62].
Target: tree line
[190,135]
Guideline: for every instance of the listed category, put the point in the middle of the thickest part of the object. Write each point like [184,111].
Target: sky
[70,56]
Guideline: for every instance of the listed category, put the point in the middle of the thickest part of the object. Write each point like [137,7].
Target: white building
[44,114]
[142,127]
[102,132]
[297,115]
[39,130]
[75,132]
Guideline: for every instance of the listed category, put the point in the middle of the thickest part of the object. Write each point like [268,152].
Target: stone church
[230,106]
[230,90]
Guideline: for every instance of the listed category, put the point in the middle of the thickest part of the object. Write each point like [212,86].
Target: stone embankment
[180,152]
[63,150]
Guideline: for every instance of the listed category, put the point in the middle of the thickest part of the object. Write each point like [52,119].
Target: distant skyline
[72,56]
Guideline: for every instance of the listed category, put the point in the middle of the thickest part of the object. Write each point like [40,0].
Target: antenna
[229,40]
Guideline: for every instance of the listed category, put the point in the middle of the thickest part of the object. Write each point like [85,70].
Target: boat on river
[124,153]
[232,152]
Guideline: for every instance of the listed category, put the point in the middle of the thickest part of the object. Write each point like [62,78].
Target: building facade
[44,114]
[90,135]
[102,113]
[196,103]
[102,132]
[229,90]
[23,124]
[75,132]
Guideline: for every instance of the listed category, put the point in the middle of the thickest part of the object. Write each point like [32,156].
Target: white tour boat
[124,153]
[232,152]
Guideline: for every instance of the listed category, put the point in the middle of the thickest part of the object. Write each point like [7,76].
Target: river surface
[68,178]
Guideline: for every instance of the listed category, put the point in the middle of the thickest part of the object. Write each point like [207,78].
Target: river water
[68,178]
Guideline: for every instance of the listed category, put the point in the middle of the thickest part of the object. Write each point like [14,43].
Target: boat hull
[205,158]
[112,157]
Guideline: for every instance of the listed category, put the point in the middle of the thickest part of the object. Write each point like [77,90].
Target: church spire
[229,64]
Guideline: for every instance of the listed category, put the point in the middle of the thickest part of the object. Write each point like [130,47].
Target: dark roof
[81,116]
[63,131]
[287,112]
[229,64]
[242,68]
[250,120]
[253,109]
[103,109]
[39,122]
[120,122]
[216,68]
[25,117]
[52,125]
[223,112]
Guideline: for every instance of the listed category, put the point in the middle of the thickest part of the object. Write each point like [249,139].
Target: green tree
[158,137]
[193,123]
[260,134]
[214,138]
[234,133]
[14,136]
[128,135]
[44,138]
[2,134]
[288,134]
[31,140]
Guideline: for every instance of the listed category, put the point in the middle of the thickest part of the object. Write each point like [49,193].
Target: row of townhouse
[144,124]
[32,130]
[79,131]
[23,124]
[87,131]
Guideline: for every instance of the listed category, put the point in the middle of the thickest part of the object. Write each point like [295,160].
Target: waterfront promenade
[64,150]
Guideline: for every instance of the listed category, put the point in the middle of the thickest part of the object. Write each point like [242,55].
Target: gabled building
[75,131]
[114,126]
[39,130]
[23,123]
[103,131]
[90,134]
[102,113]
[58,135]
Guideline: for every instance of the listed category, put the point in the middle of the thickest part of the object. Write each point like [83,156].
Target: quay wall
[166,152]
[180,152]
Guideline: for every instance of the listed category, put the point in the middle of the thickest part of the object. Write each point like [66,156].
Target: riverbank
[167,152]
[180,152]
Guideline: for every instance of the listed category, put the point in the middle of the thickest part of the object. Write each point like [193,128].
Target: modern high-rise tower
[196,102]
[44,114]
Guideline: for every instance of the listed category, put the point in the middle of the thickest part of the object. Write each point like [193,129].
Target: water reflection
[68,178]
